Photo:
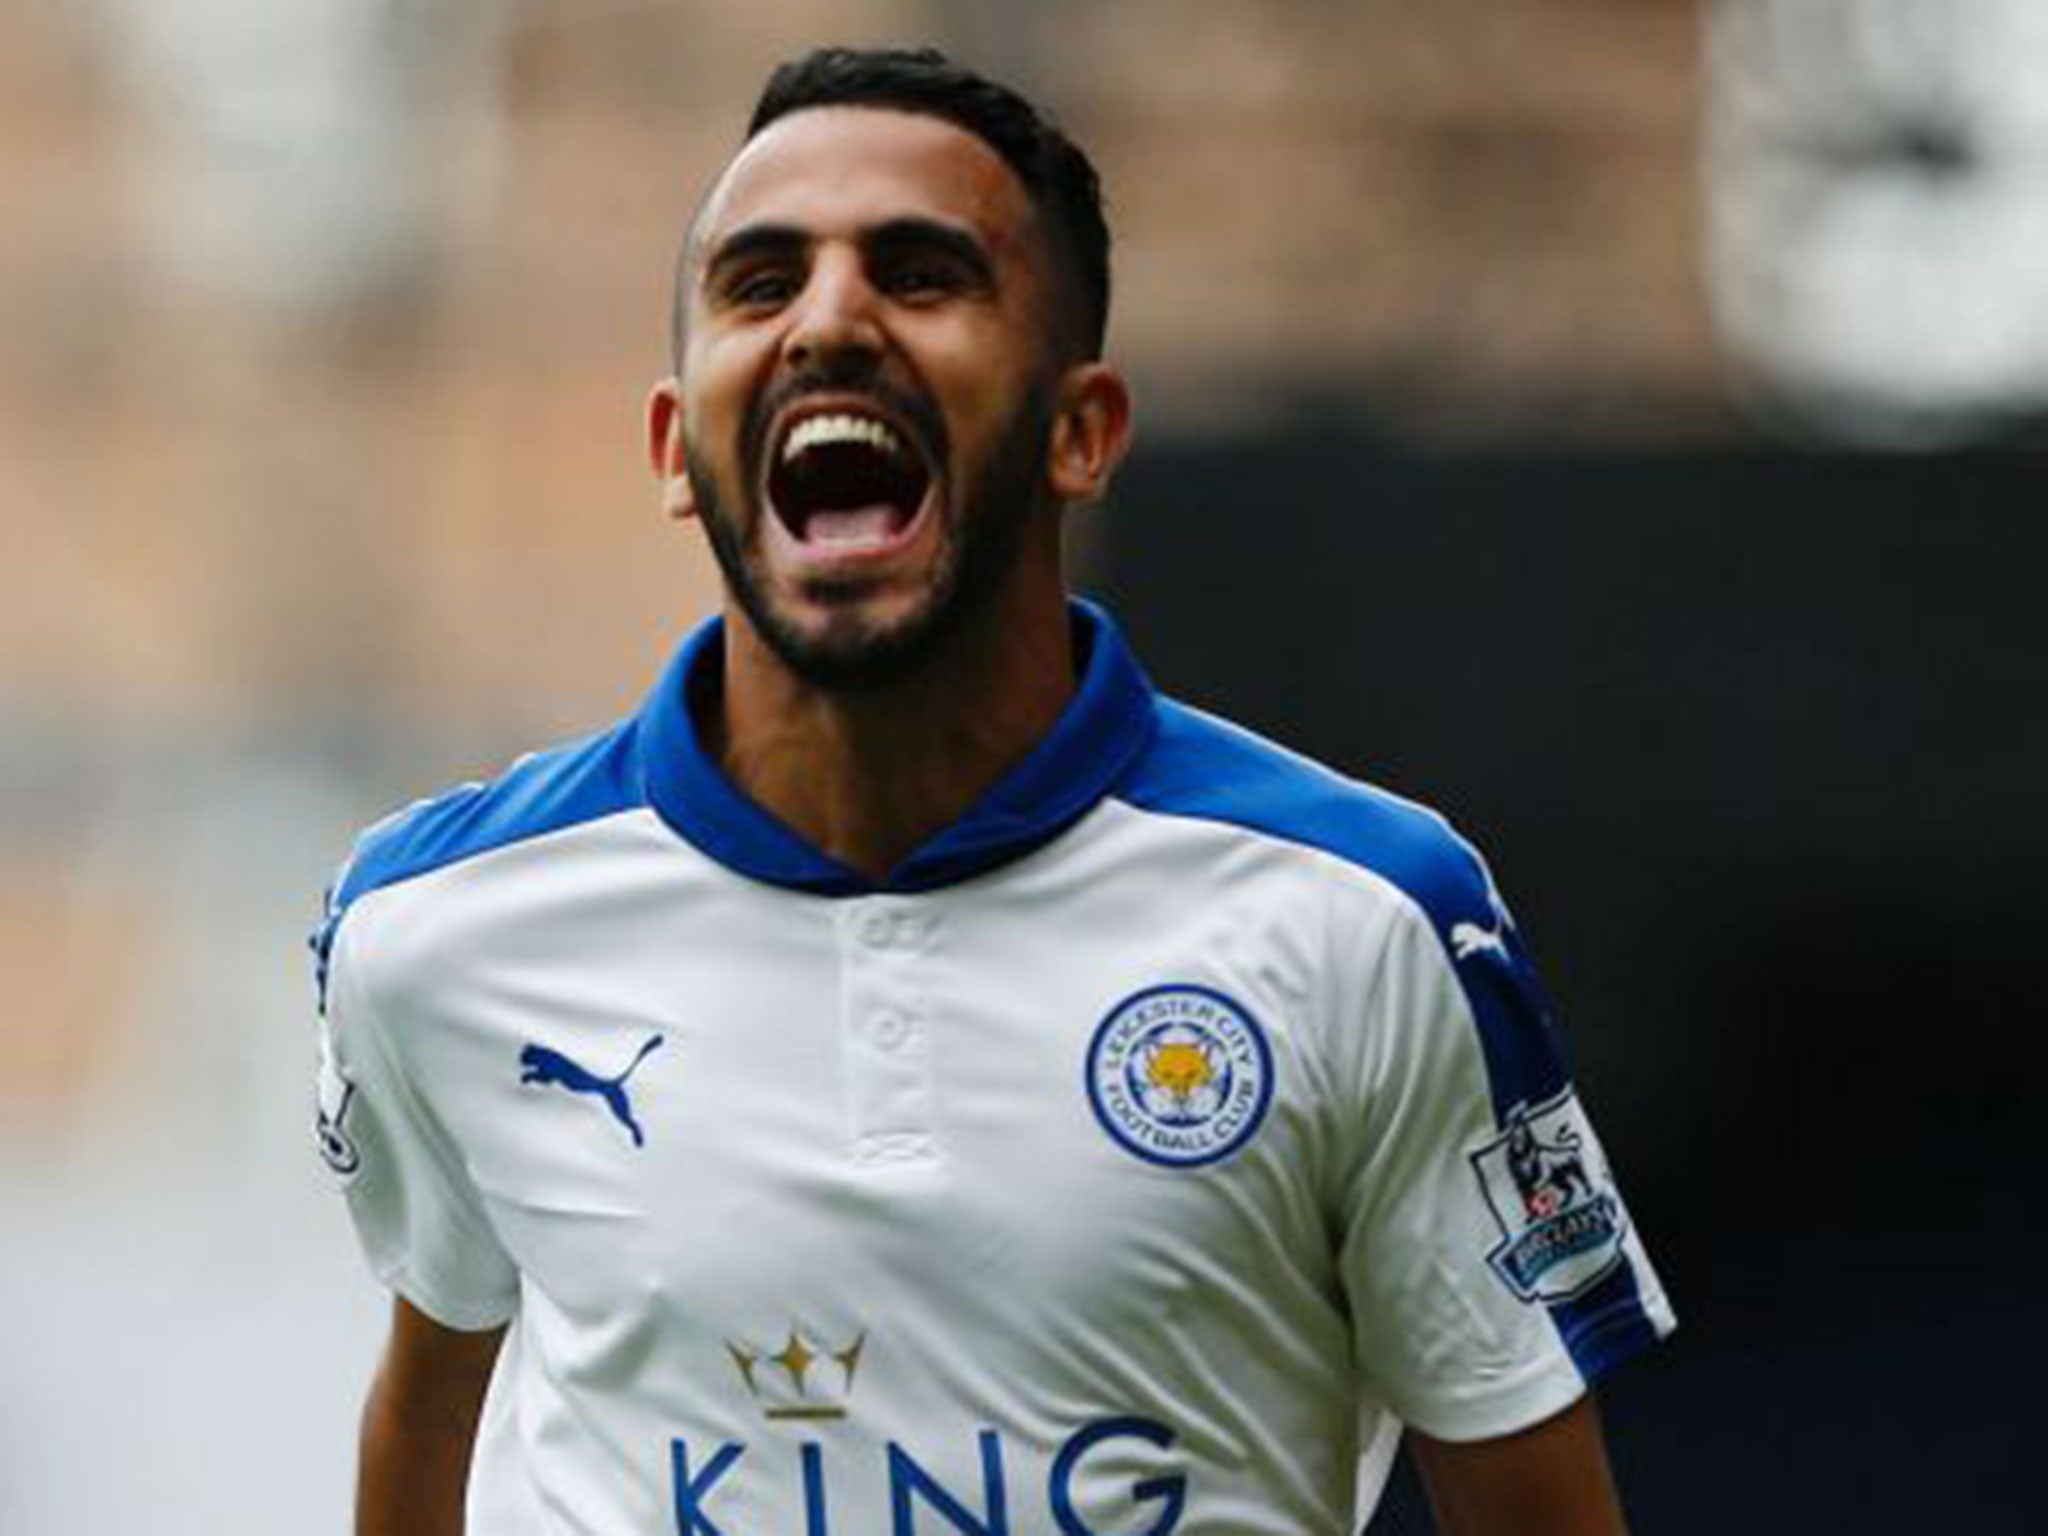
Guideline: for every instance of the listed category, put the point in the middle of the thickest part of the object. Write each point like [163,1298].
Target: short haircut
[1058,177]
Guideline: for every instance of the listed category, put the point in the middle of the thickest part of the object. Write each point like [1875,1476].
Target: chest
[1079,1086]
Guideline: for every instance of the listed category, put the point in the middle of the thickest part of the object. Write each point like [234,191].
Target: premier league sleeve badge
[1560,1220]
[334,1096]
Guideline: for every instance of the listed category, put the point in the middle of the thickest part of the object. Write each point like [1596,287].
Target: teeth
[818,431]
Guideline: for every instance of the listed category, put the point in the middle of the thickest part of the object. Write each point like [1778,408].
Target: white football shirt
[1134,1159]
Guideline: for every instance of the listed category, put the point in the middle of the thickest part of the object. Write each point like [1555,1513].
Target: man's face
[866,389]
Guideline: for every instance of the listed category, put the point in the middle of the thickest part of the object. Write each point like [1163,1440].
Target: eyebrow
[895,237]
[752,241]
[907,235]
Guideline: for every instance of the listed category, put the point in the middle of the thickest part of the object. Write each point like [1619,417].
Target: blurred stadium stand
[1501,441]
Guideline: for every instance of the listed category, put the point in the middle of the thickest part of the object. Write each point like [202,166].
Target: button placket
[888,1070]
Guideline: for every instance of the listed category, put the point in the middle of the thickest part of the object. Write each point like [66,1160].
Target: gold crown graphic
[804,1379]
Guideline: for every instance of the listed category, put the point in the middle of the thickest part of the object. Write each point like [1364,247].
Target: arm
[1492,1269]
[1549,1480]
[419,1424]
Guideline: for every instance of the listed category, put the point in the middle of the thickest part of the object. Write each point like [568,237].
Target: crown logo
[804,1379]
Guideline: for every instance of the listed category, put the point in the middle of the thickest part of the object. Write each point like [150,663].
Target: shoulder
[1204,768]
[541,793]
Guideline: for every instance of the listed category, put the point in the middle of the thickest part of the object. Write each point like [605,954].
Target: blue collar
[1106,724]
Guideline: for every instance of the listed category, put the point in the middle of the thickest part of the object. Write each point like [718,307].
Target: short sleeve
[1491,1267]
[418,1215]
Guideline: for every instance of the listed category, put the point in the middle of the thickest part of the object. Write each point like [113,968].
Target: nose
[835,317]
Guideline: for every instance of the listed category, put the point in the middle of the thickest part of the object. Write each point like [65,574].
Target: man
[911,1078]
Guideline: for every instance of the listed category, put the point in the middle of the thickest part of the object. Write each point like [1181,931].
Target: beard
[985,517]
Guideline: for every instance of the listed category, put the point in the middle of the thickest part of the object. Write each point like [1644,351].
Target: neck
[867,775]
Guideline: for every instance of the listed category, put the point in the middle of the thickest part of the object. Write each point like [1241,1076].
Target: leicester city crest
[1180,1075]
[1561,1222]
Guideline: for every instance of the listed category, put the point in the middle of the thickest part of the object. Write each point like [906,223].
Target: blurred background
[1618,422]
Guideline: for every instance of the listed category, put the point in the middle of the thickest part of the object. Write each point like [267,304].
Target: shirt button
[890,1030]
[875,929]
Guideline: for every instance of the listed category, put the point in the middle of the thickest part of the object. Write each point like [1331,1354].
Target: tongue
[851,525]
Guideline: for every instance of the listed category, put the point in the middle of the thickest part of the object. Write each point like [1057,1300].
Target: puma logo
[1468,939]
[546,1066]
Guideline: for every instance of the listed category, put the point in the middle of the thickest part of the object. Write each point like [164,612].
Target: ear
[1091,429]
[665,451]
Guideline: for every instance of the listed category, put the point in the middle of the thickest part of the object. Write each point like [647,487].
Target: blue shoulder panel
[1206,768]
[541,793]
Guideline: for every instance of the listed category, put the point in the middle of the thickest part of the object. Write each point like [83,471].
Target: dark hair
[1061,182]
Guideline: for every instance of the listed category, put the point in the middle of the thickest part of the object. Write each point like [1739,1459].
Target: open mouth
[847,480]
